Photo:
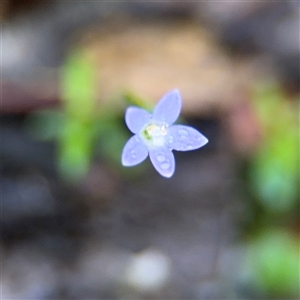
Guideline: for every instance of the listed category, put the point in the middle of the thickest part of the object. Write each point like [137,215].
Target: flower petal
[168,108]
[184,138]
[163,161]
[134,152]
[136,118]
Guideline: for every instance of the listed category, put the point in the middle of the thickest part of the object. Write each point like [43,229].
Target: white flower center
[154,134]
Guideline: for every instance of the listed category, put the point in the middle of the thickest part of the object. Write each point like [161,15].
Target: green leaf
[75,149]
[78,85]
[132,98]
[273,263]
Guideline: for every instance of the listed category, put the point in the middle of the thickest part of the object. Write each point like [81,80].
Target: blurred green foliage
[83,129]
[273,252]
[273,264]
[78,86]
[132,98]
[274,168]
[78,92]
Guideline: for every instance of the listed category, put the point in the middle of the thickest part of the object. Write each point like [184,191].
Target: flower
[157,137]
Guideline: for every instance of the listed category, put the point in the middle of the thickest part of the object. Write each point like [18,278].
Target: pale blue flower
[155,135]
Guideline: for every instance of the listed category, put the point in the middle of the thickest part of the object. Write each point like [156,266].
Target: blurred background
[76,224]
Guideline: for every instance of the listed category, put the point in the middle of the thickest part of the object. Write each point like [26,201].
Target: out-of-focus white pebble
[148,270]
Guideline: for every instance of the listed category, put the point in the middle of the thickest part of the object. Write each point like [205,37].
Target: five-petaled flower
[155,135]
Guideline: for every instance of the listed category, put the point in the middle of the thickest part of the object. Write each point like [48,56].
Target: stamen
[155,133]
